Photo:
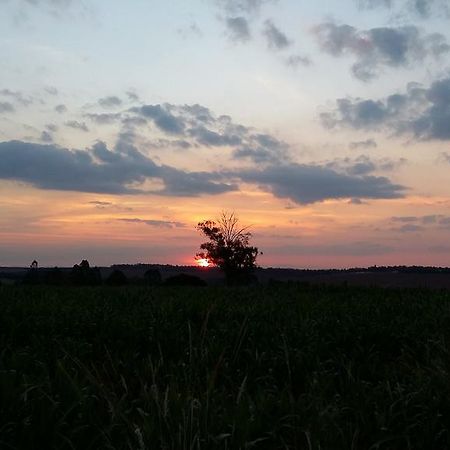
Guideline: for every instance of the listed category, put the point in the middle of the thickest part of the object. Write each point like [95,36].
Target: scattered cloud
[46,137]
[367,144]
[305,184]
[422,112]
[155,223]
[77,125]
[110,102]
[17,97]
[61,109]
[276,39]
[420,8]
[242,6]
[103,118]
[51,90]
[122,170]
[381,47]
[298,60]
[238,29]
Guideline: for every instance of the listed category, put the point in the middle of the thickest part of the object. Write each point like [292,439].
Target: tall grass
[221,368]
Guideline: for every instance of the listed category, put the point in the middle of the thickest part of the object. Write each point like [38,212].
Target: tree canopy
[228,247]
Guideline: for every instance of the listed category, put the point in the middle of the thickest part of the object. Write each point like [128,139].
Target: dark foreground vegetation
[274,367]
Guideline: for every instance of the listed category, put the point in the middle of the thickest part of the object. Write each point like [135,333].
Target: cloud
[103,118]
[416,223]
[60,109]
[51,90]
[76,125]
[110,102]
[162,118]
[155,223]
[421,8]
[305,184]
[380,47]
[51,127]
[298,60]
[242,6]
[238,29]
[98,169]
[367,144]
[6,107]
[46,137]
[422,112]
[276,39]
[363,165]
[16,96]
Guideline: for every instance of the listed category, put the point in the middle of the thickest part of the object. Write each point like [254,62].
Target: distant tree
[116,278]
[183,279]
[229,248]
[82,274]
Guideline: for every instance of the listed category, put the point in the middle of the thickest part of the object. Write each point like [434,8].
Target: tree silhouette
[228,248]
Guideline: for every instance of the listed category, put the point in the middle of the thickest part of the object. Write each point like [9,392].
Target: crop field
[265,367]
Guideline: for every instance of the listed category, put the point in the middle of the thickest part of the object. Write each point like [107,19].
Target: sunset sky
[324,125]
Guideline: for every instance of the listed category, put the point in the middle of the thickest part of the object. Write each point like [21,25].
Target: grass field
[278,367]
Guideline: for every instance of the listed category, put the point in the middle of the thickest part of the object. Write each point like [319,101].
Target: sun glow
[203,262]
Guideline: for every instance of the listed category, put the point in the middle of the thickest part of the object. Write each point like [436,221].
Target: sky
[325,126]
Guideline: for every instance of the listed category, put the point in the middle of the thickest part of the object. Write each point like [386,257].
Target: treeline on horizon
[84,275]
[375,268]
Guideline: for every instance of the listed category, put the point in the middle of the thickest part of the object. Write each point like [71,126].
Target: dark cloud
[110,102]
[60,109]
[367,144]
[6,107]
[155,223]
[424,113]
[238,29]
[263,148]
[363,165]
[162,118]
[305,184]
[76,125]
[98,169]
[207,137]
[275,38]
[380,47]
[104,118]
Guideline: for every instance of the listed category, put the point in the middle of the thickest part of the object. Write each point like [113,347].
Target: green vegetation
[273,367]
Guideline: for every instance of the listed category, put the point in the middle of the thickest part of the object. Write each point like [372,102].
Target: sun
[203,262]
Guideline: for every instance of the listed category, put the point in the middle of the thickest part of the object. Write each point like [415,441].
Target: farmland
[268,367]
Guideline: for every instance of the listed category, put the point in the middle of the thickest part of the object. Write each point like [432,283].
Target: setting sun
[203,262]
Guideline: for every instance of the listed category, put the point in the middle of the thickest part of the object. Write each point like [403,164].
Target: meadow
[285,366]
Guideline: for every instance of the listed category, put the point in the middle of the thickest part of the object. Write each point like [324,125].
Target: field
[266,367]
